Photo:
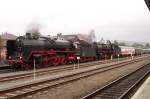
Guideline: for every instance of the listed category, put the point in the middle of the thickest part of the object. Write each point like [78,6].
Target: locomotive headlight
[9,57]
[20,57]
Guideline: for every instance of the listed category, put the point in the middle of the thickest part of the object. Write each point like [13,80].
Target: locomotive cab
[10,48]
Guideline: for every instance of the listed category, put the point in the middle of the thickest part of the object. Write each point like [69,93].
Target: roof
[8,36]
[148,3]
[70,37]
[75,37]
[83,37]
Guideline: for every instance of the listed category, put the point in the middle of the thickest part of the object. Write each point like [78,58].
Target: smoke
[92,37]
[34,27]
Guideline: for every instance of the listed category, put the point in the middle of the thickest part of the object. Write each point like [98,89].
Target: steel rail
[27,89]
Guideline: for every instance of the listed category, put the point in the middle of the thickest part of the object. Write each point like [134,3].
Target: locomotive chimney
[28,36]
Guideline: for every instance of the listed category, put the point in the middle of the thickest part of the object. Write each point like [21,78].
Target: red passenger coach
[128,51]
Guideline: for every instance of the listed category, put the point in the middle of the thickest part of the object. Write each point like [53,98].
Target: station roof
[76,37]
[8,36]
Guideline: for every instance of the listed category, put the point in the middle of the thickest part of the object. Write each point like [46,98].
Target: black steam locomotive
[23,52]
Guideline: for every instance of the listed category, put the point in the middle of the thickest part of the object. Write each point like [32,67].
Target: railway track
[25,89]
[120,88]
[5,68]
[52,70]
[45,71]
[6,71]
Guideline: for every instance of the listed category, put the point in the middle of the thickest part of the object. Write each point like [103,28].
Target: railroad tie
[42,86]
[3,97]
[10,94]
[28,89]
[18,92]
[35,88]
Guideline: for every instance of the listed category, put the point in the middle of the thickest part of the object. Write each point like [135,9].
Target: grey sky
[111,19]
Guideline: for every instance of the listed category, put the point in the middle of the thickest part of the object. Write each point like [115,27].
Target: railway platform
[144,91]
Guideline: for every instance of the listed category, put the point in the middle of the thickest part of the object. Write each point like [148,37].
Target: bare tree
[116,43]
[122,44]
[137,45]
[147,45]
[102,41]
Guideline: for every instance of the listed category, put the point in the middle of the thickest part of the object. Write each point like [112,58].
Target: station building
[3,40]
